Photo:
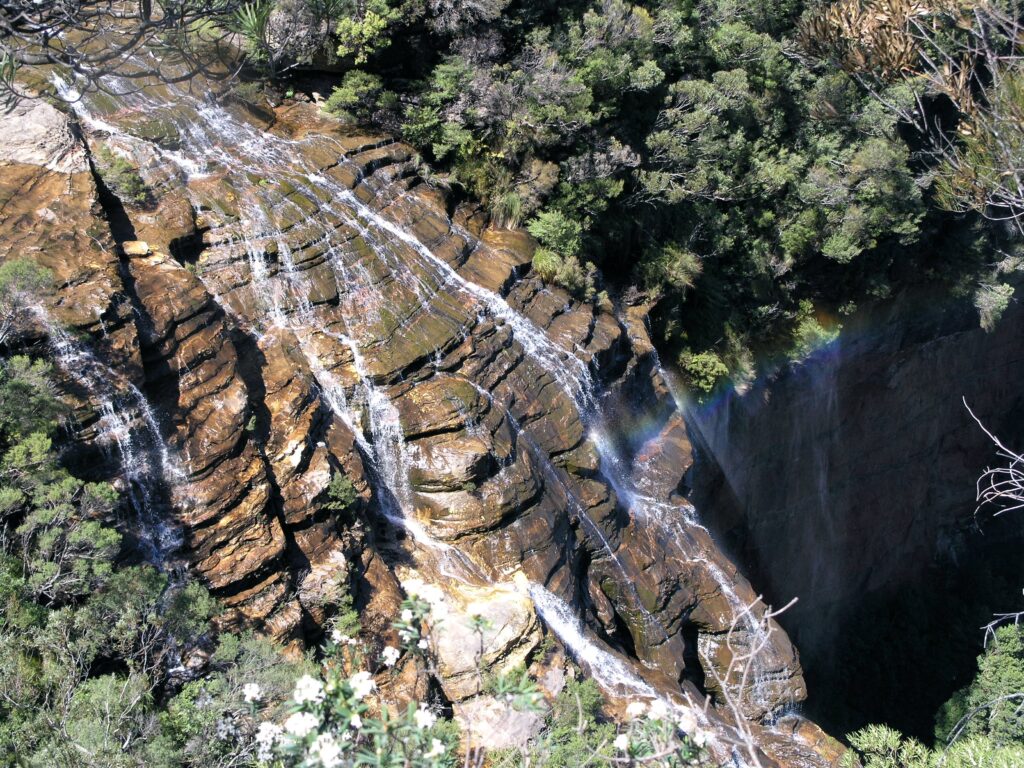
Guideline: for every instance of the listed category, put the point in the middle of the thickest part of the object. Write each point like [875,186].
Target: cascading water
[674,520]
[287,306]
[608,669]
[128,428]
[217,141]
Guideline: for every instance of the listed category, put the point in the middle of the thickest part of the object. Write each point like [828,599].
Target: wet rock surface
[297,305]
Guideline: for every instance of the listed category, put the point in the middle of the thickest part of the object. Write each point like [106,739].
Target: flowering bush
[658,735]
[653,734]
[332,721]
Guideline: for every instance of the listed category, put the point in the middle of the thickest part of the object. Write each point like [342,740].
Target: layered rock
[50,213]
[306,308]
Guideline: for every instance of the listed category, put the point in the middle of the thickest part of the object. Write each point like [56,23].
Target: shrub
[810,334]
[341,493]
[507,207]
[878,746]
[991,300]
[546,264]
[121,177]
[356,97]
[577,278]
[363,34]
[22,282]
[704,371]
[992,704]
[557,232]
[673,266]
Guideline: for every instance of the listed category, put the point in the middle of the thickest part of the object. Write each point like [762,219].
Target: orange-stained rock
[310,311]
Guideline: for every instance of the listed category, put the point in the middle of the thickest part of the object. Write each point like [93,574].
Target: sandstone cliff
[293,304]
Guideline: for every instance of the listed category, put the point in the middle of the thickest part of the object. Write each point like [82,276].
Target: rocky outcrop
[49,209]
[301,309]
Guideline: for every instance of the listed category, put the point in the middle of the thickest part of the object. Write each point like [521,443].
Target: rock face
[49,211]
[849,483]
[296,306]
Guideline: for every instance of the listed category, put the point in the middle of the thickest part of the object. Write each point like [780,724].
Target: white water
[218,140]
[128,428]
[610,671]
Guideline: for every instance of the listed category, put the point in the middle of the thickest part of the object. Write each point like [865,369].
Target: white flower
[436,749]
[308,689]
[266,735]
[390,656]
[622,742]
[687,721]
[635,709]
[423,643]
[327,750]
[424,717]
[658,710]
[252,692]
[356,722]
[301,724]
[698,737]
[268,732]
[226,729]
[362,684]
[337,638]
[407,616]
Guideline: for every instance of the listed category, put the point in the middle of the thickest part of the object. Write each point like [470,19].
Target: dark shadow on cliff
[849,482]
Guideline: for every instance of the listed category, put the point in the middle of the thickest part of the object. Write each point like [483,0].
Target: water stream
[215,141]
[129,434]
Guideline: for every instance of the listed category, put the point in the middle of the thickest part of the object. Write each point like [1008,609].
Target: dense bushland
[980,726]
[761,168]
[716,153]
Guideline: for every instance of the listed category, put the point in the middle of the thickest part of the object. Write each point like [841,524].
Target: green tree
[993,704]
[362,30]
[358,96]
[22,283]
[704,371]
[880,747]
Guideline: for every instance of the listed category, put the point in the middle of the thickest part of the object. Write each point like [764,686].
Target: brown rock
[306,339]
[135,248]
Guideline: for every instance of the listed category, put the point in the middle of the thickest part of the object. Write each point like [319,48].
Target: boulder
[477,632]
[492,724]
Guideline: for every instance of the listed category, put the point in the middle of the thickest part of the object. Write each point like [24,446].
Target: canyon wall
[849,482]
[290,308]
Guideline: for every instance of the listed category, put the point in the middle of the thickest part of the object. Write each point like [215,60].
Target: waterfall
[216,140]
[611,672]
[390,458]
[673,520]
[130,434]
[568,370]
